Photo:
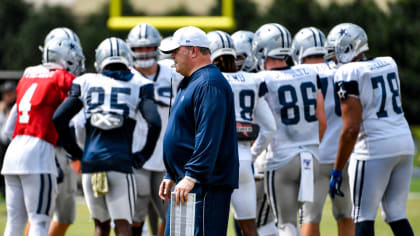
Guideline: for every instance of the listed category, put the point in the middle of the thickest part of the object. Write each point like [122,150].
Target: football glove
[335,183]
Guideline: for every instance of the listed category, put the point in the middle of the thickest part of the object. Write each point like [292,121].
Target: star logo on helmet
[72,46]
[342,32]
[342,94]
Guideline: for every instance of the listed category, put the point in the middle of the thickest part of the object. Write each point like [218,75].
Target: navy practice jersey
[110,108]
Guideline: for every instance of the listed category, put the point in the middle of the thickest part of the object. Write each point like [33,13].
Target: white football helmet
[271,40]
[144,35]
[308,41]
[113,50]
[220,44]
[350,43]
[242,41]
[332,37]
[65,53]
[64,33]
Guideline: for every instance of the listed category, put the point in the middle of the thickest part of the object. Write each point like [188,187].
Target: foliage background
[392,33]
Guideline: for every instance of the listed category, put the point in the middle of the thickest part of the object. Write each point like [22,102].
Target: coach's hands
[335,183]
[165,189]
[182,189]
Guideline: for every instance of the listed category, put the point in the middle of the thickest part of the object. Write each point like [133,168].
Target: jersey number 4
[25,104]
[378,83]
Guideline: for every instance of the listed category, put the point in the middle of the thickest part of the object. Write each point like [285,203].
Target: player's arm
[320,111]
[351,111]
[62,116]
[9,127]
[265,119]
[148,109]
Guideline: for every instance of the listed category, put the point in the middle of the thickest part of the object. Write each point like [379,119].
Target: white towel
[306,188]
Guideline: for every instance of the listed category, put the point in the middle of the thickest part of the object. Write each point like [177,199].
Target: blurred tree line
[392,33]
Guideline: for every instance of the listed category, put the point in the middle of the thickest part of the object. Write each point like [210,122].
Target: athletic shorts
[30,196]
[282,187]
[244,198]
[65,203]
[380,181]
[341,206]
[148,183]
[118,203]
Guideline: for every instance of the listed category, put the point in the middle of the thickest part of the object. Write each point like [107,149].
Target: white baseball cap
[186,36]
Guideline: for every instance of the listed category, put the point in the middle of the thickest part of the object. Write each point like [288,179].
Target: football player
[308,48]
[245,61]
[375,135]
[248,91]
[29,165]
[110,100]
[144,40]
[294,98]
[65,207]
[242,41]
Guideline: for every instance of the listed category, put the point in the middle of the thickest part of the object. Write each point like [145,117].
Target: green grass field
[84,226]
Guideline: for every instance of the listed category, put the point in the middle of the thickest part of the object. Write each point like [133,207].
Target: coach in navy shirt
[200,144]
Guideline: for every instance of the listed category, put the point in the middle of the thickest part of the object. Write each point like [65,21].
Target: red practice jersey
[38,94]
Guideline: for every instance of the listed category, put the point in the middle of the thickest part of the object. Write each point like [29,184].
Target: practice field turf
[84,226]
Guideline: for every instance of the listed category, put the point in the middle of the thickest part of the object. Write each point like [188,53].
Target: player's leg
[342,207]
[43,188]
[152,219]
[97,207]
[120,201]
[394,201]
[15,206]
[282,186]
[102,228]
[265,218]
[65,209]
[244,200]
[142,198]
[122,228]
[160,206]
[346,227]
[312,211]
[368,180]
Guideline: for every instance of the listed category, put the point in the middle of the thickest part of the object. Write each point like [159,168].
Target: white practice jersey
[292,99]
[248,90]
[100,96]
[384,131]
[162,86]
[329,143]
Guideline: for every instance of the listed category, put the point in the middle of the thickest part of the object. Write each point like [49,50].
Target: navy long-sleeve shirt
[200,139]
